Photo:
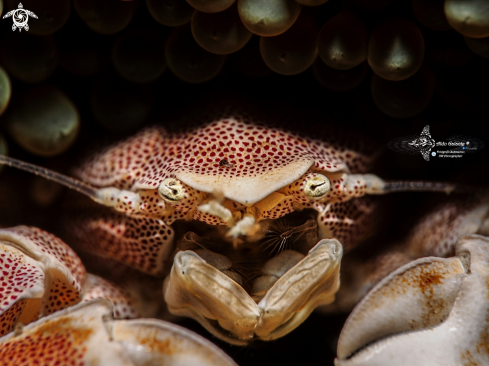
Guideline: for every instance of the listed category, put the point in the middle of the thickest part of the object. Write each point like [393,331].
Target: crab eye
[171,190]
[317,187]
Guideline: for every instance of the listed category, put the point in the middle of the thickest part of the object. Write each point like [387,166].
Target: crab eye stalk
[317,187]
[171,190]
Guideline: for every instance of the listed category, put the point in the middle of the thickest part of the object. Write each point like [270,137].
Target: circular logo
[20,17]
[433,153]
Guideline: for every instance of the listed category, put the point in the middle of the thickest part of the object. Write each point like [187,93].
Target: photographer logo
[20,17]
[456,146]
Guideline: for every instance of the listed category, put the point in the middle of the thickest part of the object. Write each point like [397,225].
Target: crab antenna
[64,180]
[420,186]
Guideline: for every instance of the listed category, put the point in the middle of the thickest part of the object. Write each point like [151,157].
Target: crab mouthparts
[262,289]
[290,238]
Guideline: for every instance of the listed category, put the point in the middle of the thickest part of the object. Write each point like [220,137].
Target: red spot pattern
[126,204]
[295,194]
[139,242]
[281,209]
[251,150]
[296,189]
[52,245]
[337,189]
[121,165]
[337,193]
[50,345]
[341,189]
[151,203]
[17,274]
[189,201]
[350,222]
[59,295]
[20,273]
[207,218]
[98,287]
[8,319]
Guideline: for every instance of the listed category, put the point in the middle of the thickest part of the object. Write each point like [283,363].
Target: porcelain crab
[243,192]
[41,270]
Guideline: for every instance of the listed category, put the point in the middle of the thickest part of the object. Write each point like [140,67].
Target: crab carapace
[241,176]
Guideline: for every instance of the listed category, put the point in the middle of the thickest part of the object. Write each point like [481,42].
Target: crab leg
[350,222]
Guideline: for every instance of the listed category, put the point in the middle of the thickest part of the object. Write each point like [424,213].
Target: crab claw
[437,307]
[39,275]
[435,234]
[86,334]
[290,288]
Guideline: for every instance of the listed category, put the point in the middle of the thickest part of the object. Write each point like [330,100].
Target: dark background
[296,102]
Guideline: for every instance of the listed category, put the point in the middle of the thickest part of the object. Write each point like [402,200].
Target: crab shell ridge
[258,160]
